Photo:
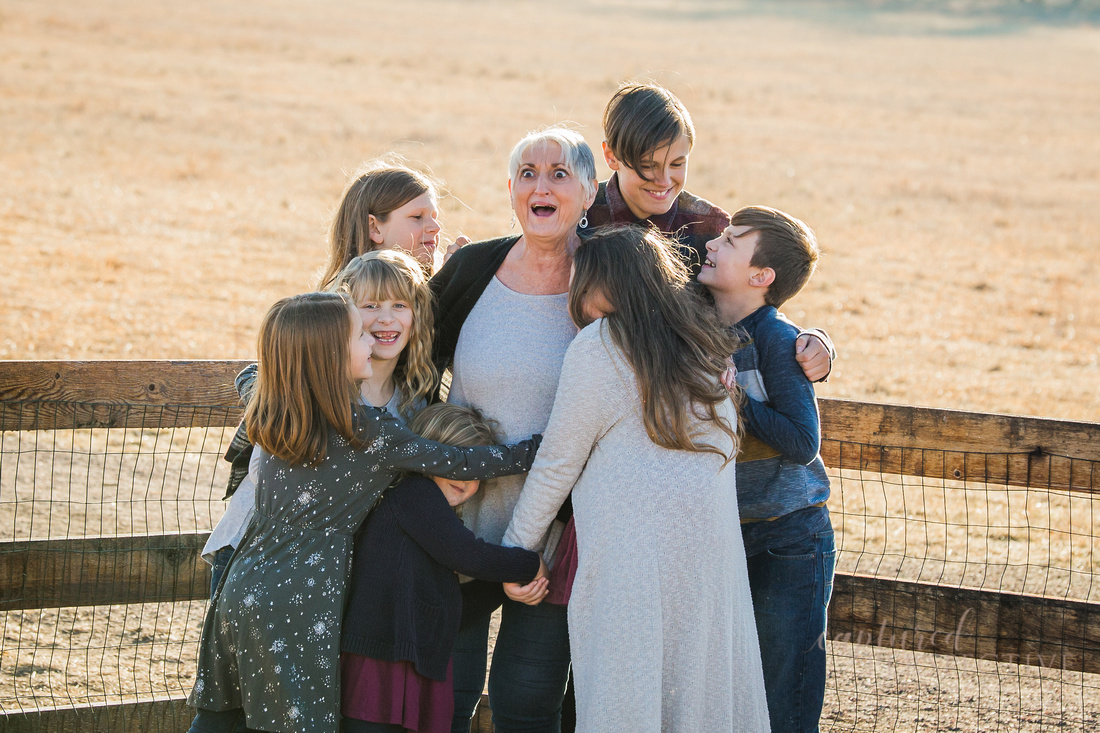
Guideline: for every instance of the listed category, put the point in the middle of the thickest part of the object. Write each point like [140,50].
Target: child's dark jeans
[217,569]
[791,587]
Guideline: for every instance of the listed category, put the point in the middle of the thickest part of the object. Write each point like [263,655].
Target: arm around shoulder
[815,353]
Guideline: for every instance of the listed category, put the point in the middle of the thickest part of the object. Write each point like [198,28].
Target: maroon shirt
[691,221]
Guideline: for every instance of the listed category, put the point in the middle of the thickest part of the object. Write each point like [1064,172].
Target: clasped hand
[532,593]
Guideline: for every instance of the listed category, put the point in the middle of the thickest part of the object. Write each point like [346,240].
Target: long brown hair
[391,275]
[377,189]
[670,337]
[303,388]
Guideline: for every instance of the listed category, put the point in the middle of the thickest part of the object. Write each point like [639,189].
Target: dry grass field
[167,170]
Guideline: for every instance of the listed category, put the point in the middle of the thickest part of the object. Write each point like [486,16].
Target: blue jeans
[221,561]
[224,721]
[529,673]
[791,587]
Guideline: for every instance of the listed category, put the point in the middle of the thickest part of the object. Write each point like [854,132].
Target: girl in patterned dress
[390,289]
[270,644]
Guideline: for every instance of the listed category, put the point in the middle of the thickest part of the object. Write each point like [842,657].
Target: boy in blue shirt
[758,263]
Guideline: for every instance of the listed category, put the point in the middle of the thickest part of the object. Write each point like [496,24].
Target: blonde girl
[405,605]
[270,645]
[391,292]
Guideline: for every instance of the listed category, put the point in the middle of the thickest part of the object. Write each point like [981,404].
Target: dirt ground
[168,170]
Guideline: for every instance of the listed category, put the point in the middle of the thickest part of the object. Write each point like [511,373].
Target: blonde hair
[377,189]
[303,386]
[452,424]
[669,336]
[393,275]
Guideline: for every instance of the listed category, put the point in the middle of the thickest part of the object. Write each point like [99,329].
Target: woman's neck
[538,267]
[379,388]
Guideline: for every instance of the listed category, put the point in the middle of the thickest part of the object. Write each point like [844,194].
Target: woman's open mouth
[543,209]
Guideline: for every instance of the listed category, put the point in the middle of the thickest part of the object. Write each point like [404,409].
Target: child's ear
[762,278]
[609,157]
[373,231]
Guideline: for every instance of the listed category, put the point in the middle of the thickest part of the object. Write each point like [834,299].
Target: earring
[513,224]
[584,220]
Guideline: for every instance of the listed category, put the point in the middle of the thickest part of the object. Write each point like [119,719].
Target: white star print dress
[271,639]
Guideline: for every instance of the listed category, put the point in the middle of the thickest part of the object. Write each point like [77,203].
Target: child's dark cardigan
[405,602]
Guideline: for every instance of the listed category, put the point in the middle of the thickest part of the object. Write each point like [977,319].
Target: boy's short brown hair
[642,118]
[785,244]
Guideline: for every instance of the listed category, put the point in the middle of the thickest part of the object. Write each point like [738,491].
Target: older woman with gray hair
[502,327]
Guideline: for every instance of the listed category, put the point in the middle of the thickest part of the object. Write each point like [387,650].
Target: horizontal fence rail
[1051,624]
[52,395]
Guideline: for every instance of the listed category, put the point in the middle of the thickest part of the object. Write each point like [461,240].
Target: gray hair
[578,156]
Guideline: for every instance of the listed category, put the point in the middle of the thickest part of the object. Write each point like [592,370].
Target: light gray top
[506,364]
[662,587]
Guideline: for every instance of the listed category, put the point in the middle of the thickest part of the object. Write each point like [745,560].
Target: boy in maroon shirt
[648,140]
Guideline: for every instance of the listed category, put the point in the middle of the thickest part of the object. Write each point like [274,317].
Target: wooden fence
[1035,629]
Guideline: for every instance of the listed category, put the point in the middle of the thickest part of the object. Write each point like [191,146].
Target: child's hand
[812,356]
[454,246]
[532,593]
[729,377]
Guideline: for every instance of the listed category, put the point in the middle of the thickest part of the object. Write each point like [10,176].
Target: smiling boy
[759,262]
[648,140]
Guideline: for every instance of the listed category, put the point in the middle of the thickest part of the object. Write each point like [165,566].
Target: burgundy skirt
[394,693]
[565,566]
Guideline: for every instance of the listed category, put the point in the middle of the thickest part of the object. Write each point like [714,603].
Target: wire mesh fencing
[967,593]
[986,595]
[100,528]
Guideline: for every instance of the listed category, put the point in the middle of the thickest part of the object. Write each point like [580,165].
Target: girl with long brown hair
[642,434]
[270,645]
[386,205]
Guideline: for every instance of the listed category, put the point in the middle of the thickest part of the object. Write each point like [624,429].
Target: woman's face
[549,200]
[595,304]
[412,228]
